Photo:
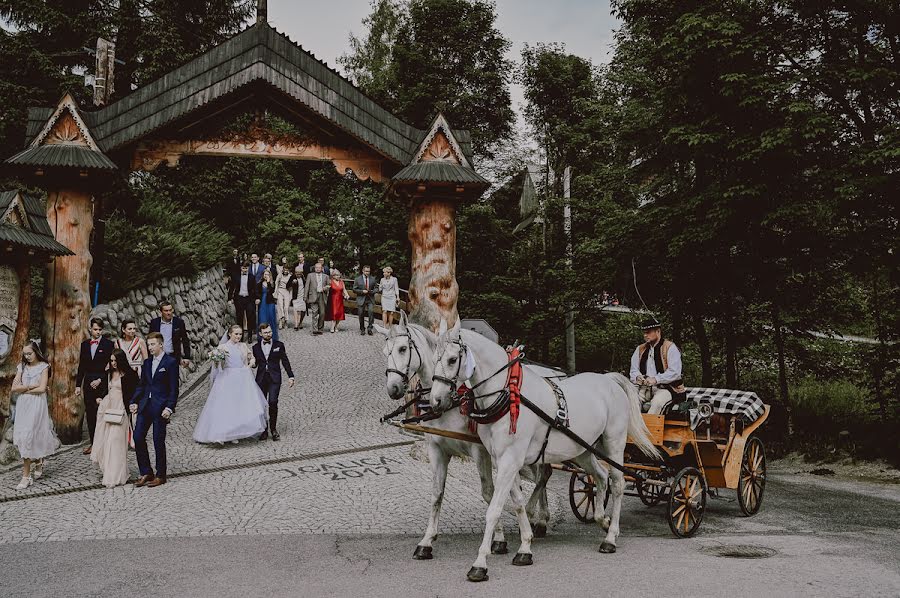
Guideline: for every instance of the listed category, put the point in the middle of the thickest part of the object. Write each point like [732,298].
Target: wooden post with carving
[67,306]
[8,370]
[433,290]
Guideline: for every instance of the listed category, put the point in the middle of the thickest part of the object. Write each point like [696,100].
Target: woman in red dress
[336,299]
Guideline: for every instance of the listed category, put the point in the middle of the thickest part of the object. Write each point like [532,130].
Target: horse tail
[637,429]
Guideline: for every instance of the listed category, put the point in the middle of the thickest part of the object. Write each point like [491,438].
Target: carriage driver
[656,368]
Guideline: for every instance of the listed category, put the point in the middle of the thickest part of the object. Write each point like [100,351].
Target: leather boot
[273,421]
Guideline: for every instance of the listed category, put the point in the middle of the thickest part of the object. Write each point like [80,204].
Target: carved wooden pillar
[67,305]
[433,290]
[8,370]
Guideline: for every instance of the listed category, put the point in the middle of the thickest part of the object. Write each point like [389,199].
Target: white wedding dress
[236,407]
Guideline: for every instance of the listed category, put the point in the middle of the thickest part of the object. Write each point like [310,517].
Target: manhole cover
[739,551]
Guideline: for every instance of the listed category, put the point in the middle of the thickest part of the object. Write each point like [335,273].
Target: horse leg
[538,509]
[523,555]
[616,449]
[507,472]
[600,476]
[486,473]
[439,461]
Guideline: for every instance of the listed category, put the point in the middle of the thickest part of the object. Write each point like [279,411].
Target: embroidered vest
[661,360]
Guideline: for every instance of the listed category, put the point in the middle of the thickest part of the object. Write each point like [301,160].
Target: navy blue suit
[181,344]
[154,394]
[268,375]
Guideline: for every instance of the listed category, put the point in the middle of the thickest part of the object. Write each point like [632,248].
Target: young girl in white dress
[33,434]
[236,407]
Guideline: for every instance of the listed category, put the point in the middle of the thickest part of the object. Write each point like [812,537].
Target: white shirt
[670,375]
[94,347]
[266,348]
[320,281]
[244,292]
[165,329]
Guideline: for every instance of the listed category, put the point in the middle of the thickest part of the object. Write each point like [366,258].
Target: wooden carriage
[701,449]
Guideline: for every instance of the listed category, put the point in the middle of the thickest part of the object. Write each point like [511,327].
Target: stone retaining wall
[201,301]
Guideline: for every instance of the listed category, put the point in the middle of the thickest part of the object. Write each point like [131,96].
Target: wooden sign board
[9,309]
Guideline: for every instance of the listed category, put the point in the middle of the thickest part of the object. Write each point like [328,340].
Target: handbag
[114,416]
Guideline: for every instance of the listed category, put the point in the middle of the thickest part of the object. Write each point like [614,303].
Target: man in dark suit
[364,287]
[270,356]
[302,263]
[244,294]
[92,364]
[232,265]
[256,269]
[174,332]
[154,402]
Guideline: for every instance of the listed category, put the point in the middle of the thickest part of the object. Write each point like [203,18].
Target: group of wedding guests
[267,291]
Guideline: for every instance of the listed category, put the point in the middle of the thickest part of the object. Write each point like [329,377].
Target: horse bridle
[404,375]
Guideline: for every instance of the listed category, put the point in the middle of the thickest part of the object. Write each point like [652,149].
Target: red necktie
[367,283]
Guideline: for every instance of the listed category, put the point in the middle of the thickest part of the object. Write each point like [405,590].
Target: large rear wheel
[582,492]
[687,502]
[752,482]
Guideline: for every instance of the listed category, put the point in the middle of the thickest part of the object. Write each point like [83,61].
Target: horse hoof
[607,548]
[540,530]
[605,523]
[522,559]
[499,548]
[477,574]
[422,553]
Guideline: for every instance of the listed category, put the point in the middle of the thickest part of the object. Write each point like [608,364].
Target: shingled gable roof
[453,167]
[259,53]
[71,145]
[28,228]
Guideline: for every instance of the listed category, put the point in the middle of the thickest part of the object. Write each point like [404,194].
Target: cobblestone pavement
[335,470]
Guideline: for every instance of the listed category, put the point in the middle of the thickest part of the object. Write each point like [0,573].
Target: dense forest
[737,162]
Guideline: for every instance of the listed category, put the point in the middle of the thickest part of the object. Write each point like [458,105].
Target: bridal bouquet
[217,356]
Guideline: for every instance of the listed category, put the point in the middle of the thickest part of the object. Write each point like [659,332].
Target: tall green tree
[422,57]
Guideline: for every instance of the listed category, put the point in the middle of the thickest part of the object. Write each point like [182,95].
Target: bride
[236,407]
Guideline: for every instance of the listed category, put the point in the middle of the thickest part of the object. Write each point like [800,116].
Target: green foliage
[421,57]
[830,403]
[163,239]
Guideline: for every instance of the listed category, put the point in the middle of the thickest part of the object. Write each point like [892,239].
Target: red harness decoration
[513,385]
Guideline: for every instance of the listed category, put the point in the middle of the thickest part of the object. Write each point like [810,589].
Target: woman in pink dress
[336,299]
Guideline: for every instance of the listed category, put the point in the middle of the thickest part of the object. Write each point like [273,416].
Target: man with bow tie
[364,287]
[270,356]
[92,364]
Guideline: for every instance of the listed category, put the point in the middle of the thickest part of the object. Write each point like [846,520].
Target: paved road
[336,508]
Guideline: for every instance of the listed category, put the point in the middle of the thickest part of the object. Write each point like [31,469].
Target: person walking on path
[390,292]
[336,300]
[244,296]
[154,402]
[111,439]
[174,332]
[133,346]
[283,294]
[295,286]
[364,287]
[91,374]
[33,434]
[316,290]
[269,356]
[267,302]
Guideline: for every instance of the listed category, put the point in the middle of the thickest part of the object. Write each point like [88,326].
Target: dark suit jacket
[181,344]
[252,288]
[232,266]
[129,385]
[93,368]
[259,273]
[159,391]
[359,285]
[293,284]
[277,358]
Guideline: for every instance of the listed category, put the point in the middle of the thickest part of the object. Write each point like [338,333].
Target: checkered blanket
[733,402]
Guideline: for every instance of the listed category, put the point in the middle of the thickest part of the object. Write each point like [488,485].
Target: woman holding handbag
[111,435]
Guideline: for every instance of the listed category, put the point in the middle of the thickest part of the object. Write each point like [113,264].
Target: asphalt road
[825,537]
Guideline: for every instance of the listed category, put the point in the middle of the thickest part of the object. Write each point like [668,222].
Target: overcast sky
[585,26]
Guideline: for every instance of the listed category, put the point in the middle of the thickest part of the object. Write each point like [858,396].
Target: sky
[585,26]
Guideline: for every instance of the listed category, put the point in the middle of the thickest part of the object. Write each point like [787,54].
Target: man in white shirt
[244,295]
[656,368]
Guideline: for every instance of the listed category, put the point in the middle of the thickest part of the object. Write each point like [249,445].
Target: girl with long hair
[111,436]
[33,434]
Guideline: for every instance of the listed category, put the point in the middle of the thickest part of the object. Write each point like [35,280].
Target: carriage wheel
[687,502]
[752,482]
[581,496]
[651,494]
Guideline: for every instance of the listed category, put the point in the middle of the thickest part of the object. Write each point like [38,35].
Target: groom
[270,356]
[154,401]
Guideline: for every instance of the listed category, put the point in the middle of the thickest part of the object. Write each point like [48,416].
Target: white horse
[603,409]
[410,351]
